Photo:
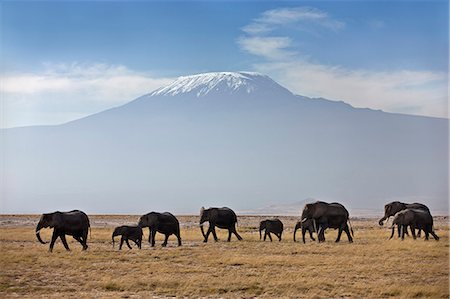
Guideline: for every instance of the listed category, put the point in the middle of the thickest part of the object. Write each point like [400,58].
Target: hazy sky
[64,60]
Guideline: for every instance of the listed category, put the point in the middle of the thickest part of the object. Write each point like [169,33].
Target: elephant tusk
[37,232]
[304,219]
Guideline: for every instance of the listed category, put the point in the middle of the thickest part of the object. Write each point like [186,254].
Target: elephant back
[227,212]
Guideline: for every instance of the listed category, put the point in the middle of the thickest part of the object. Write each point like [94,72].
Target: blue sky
[384,55]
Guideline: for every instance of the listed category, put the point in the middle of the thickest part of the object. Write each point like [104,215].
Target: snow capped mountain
[220,83]
[225,139]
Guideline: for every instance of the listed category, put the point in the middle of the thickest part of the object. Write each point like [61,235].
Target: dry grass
[370,267]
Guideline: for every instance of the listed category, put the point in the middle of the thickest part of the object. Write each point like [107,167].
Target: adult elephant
[222,218]
[307,226]
[164,223]
[271,226]
[394,207]
[74,223]
[414,218]
[328,215]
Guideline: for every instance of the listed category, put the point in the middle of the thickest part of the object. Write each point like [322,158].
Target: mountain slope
[236,139]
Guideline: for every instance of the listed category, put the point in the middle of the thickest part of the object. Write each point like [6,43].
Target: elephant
[328,215]
[414,218]
[133,233]
[269,226]
[307,226]
[394,207]
[222,218]
[73,223]
[164,223]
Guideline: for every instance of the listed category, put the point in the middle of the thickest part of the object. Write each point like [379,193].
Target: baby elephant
[307,225]
[133,233]
[271,226]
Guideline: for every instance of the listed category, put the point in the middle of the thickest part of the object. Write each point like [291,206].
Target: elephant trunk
[38,233]
[380,222]
[203,232]
[297,226]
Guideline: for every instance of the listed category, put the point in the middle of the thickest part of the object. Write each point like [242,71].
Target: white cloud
[267,47]
[271,19]
[65,92]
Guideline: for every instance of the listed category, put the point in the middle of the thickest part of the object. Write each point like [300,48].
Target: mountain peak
[218,82]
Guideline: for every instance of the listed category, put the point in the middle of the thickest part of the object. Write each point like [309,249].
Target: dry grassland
[370,267]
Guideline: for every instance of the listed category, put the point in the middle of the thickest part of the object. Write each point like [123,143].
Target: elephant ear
[55,220]
[202,210]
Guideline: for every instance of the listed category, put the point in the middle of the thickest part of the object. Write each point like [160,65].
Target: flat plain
[371,267]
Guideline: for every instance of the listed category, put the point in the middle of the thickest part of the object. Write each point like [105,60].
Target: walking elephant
[269,226]
[222,218]
[74,223]
[133,233]
[394,207]
[306,226]
[414,218]
[164,223]
[328,215]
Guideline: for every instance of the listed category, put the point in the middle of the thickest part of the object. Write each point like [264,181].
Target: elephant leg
[52,242]
[403,231]
[270,236]
[321,234]
[85,236]
[434,235]
[413,231]
[179,239]
[236,233]
[419,232]
[349,236]
[310,235]
[279,236]
[399,229]
[427,234]
[153,237]
[128,243]
[78,238]
[122,239]
[392,234]
[214,234]
[166,238]
[406,231]
[149,236]
[265,235]
[339,235]
[229,235]
[64,241]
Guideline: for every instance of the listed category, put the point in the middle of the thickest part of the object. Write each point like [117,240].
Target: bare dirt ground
[371,267]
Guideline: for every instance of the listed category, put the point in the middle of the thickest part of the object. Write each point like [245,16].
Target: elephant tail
[351,228]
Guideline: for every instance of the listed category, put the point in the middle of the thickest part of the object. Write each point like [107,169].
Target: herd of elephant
[316,218]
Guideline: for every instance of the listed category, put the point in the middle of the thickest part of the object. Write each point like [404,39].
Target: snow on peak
[220,82]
